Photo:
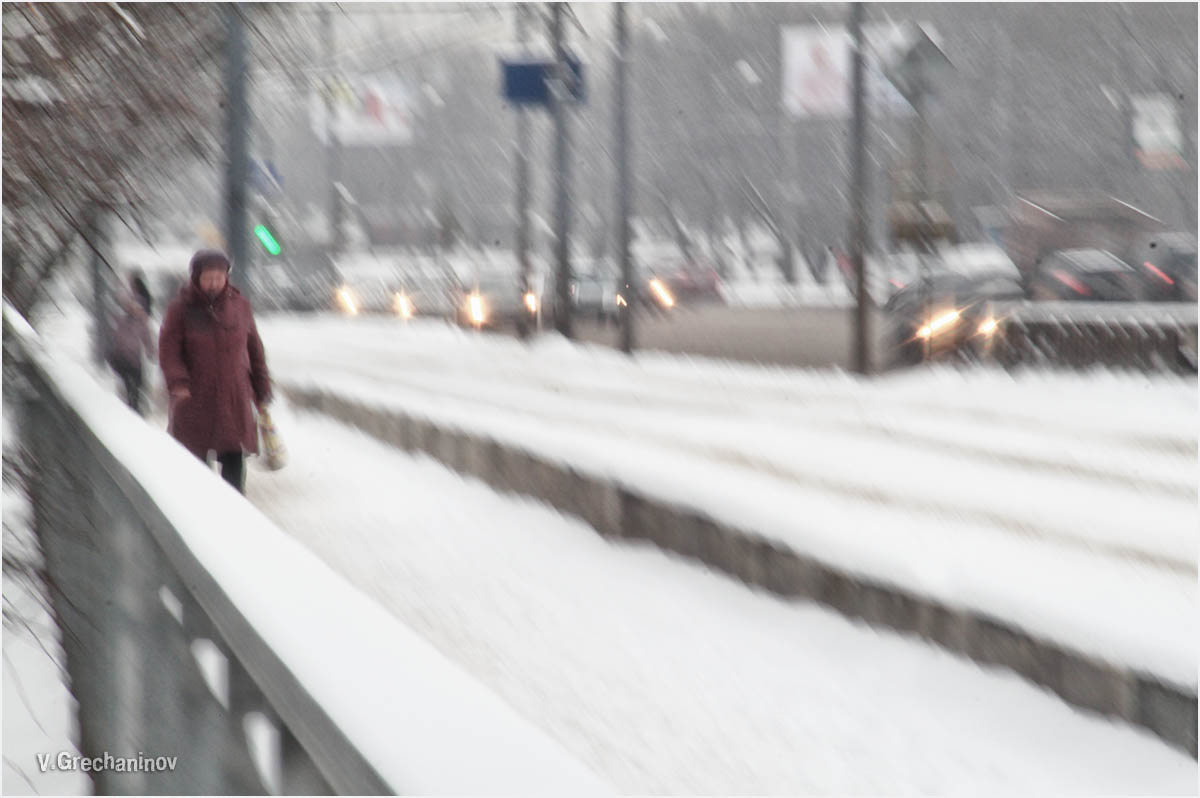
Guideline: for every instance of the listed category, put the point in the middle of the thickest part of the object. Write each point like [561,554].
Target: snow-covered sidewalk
[1063,504]
[667,678]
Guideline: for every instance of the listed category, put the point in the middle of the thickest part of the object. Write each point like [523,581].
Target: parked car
[431,297]
[276,287]
[949,311]
[364,296]
[1087,275]
[693,283]
[1166,264]
[605,299]
[496,301]
[1042,223]
[595,297]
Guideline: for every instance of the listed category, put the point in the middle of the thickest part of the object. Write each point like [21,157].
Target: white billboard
[1157,138]
[817,70]
[366,111]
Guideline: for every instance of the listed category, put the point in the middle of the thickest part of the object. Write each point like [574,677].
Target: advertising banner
[366,111]
[1157,139]
[817,70]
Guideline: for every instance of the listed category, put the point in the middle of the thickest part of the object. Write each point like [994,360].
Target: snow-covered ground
[1064,504]
[666,678]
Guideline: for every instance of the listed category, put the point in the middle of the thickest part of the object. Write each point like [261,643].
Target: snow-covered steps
[667,678]
[1097,648]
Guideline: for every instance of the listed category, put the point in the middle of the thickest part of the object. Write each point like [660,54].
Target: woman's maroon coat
[211,347]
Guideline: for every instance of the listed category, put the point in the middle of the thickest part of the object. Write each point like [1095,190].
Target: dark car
[948,312]
[1085,275]
[1166,264]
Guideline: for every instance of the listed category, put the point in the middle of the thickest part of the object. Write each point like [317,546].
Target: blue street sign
[526,81]
[264,177]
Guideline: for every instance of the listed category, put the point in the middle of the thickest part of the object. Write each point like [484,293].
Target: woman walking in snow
[214,366]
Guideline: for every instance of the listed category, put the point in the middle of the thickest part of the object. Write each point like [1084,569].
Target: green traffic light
[268,240]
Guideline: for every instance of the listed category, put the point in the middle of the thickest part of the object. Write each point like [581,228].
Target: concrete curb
[618,511]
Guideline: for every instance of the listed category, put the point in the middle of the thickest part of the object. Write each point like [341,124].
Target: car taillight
[1072,283]
[1159,273]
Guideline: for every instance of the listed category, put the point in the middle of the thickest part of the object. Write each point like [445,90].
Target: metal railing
[132,604]
[138,611]
[1149,338]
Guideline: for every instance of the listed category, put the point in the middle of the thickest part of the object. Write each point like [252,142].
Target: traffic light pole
[858,230]
[921,172]
[624,186]
[523,187]
[333,147]
[562,199]
[236,117]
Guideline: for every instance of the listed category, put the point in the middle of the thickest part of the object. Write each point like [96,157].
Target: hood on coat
[208,259]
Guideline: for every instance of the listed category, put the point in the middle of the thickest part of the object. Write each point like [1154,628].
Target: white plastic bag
[271,448]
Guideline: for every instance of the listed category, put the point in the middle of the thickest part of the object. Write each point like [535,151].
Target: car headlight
[531,302]
[475,309]
[347,301]
[660,290]
[939,323]
[403,306]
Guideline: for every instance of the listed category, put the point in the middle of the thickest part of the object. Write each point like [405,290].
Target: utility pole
[559,99]
[523,184]
[236,121]
[333,145]
[922,192]
[624,186]
[794,198]
[858,191]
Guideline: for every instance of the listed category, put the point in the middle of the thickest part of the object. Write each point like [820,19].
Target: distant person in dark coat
[128,338]
[137,283]
[214,367]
